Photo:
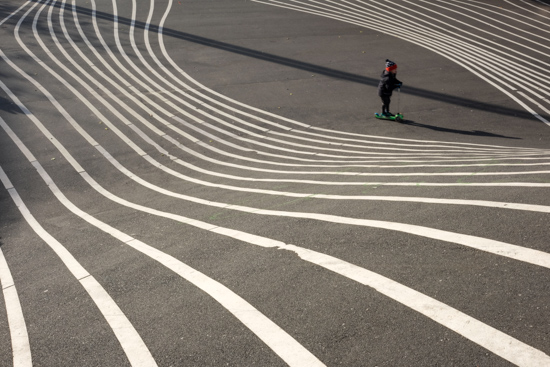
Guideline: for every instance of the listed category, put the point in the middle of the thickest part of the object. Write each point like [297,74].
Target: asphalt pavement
[204,183]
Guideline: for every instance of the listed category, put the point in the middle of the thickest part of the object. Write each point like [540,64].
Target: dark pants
[386,101]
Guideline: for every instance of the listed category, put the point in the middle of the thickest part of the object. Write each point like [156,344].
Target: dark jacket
[388,83]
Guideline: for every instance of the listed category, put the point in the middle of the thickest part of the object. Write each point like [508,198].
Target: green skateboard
[398,117]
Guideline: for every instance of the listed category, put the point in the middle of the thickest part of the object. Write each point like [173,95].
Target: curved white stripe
[498,337]
[135,349]
[20,345]
[341,197]
[496,247]
[534,6]
[415,39]
[14,12]
[143,96]
[142,153]
[271,334]
[476,331]
[480,333]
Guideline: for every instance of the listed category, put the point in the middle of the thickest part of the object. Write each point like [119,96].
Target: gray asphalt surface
[316,171]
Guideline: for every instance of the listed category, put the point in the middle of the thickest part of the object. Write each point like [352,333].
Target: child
[386,86]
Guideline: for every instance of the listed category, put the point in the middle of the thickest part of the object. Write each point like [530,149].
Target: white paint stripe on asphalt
[20,344]
[14,12]
[83,172]
[198,87]
[172,87]
[484,335]
[421,41]
[480,333]
[125,139]
[498,343]
[286,347]
[271,334]
[135,349]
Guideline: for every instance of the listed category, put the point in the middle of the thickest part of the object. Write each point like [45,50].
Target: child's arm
[396,83]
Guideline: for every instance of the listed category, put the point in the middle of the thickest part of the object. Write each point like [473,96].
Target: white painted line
[247,237]
[276,338]
[115,74]
[496,341]
[20,345]
[416,38]
[271,334]
[484,335]
[125,139]
[137,352]
[14,12]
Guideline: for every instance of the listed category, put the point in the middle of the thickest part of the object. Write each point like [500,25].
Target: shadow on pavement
[8,106]
[455,131]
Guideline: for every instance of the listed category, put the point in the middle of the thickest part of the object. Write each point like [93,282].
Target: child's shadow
[454,131]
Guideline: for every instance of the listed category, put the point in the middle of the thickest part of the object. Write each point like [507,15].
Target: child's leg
[386,104]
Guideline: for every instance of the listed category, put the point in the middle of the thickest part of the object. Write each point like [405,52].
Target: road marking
[135,349]
[247,236]
[140,152]
[496,247]
[480,333]
[484,335]
[419,39]
[281,343]
[20,345]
